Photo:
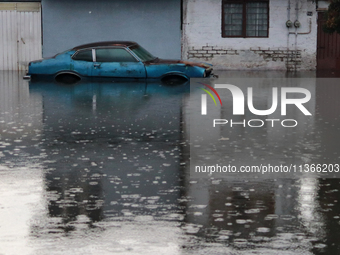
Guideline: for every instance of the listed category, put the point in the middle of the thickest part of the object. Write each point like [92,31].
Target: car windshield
[142,53]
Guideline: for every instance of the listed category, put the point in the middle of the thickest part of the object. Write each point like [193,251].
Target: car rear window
[142,53]
[84,55]
[114,55]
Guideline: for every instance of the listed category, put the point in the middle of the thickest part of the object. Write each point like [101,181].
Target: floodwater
[101,167]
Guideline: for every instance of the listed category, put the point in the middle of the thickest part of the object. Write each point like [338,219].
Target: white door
[20,34]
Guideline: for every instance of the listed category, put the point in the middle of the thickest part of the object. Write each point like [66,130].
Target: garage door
[20,34]
[154,24]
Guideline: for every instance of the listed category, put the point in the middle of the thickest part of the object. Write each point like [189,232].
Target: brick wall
[290,58]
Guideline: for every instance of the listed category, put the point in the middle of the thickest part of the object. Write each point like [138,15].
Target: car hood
[158,61]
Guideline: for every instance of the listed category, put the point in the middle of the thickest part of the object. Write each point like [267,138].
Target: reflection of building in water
[287,213]
[327,98]
[20,112]
[112,150]
[309,207]
[328,110]
[21,184]
[247,211]
[230,211]
[242,144]
[70,195]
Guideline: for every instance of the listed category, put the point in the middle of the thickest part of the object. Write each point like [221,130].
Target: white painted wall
[202,27]
[323,5]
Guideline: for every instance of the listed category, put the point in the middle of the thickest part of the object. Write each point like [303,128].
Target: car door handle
[96,65]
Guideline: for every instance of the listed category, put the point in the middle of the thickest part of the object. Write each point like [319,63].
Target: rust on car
[170,62]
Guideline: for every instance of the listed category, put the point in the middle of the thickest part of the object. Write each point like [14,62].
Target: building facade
[252,34]
[230,34]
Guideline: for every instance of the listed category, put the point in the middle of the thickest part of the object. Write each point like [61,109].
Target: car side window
[84,55]
[114,55]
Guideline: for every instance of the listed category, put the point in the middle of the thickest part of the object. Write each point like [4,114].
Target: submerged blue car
[115,59]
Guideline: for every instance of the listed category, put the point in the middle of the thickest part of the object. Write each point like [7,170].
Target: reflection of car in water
[112,150]
[115,60]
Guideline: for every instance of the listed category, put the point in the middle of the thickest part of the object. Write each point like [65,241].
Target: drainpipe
[296,33]
[288,18]
[299,33]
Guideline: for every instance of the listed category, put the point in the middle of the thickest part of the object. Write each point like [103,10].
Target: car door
[82,62]
[117,63]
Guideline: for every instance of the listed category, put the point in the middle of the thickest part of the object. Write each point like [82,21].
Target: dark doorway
[328,53]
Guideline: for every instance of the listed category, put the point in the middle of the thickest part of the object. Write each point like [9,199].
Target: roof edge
[105,43]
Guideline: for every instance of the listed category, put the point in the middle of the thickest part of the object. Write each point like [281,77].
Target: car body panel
[83,68]
[119,69]
[54,65]
[162,67]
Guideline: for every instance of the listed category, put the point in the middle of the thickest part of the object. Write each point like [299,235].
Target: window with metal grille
[245,18]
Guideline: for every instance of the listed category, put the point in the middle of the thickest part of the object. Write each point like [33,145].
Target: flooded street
[101,167]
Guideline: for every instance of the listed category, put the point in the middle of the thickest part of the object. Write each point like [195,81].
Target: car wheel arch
[174,76]
[67,77]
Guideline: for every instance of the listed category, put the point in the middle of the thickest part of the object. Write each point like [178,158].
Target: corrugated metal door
[328,54]
[20,34]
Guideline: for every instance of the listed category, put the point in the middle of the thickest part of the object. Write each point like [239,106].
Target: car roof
[106,43]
